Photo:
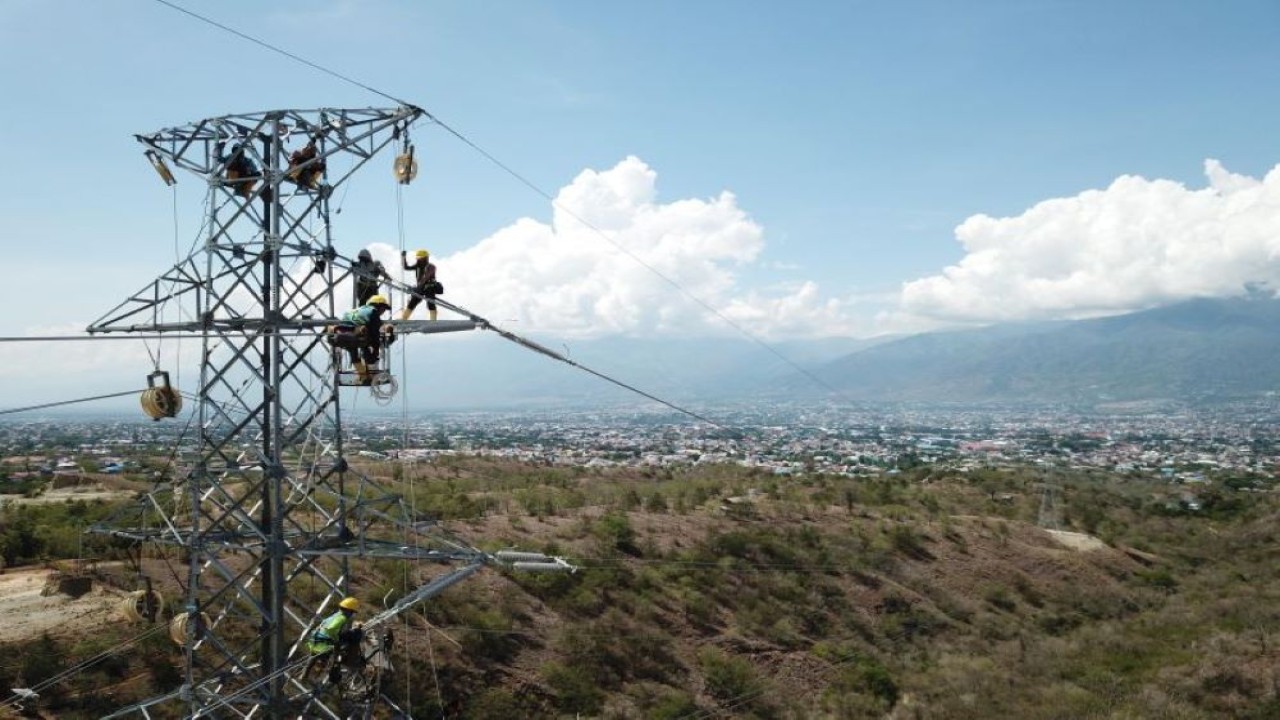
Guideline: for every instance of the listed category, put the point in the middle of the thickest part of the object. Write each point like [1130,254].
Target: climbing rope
[431,655]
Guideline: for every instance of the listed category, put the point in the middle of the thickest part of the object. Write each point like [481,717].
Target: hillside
[1207,350]
[722,592]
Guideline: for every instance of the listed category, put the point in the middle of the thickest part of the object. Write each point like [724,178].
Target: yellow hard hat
[422,254]
[350,603]
[378,300]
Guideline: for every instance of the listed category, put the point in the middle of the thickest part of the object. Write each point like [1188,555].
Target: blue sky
[890,166]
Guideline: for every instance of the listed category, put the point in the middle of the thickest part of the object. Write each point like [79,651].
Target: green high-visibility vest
[326,636]
[359,316]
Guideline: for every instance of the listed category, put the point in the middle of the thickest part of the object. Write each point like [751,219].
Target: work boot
[405,313]
[362,372]
[433,315]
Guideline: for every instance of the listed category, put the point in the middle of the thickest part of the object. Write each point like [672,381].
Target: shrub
[906,540]
[999,597]
[614,534]
[734,680]
[868,677]
[664,703]
[494,703]
[576,691]
[1159,578]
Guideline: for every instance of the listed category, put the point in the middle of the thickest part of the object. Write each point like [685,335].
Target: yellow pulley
[161,168]
[406,167]
[181,628]
[160,400]
[141,604]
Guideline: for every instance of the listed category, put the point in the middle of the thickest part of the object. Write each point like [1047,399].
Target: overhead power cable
[83,338]
[531,345]
[68,402]
[85,664]
[286,53]
[544,350]
[519,178]
[76,338]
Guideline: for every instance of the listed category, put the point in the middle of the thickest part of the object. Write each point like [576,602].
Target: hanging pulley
[182,630]
[142,604]
[160,400]
[161,168]
[406,166]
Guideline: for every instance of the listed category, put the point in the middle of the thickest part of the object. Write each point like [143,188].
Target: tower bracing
[264,507]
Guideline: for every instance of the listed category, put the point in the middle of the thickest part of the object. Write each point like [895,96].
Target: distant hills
[1204,350]
[480,370]
[1200,351]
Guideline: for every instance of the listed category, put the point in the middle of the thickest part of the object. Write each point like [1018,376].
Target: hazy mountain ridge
[1207,350]
[1204,349]
[486,371]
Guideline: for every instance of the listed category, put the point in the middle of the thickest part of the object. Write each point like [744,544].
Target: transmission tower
[1050,517]
[265,507]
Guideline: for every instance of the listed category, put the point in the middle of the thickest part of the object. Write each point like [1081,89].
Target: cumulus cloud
[564,278]
[1139,243]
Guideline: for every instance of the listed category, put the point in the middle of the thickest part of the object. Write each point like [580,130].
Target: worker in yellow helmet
[361,333]
[335,631]
[425,285]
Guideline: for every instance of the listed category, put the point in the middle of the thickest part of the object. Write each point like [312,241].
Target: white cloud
[1138,243]
[565,278]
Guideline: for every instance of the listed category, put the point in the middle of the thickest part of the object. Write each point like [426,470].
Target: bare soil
[1077,540]
[85,493]
[28,613]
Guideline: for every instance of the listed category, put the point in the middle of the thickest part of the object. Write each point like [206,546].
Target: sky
[809,169]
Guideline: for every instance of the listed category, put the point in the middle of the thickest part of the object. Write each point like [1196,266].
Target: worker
[425,284]
[241,170]
[361,333]
[310,175]
[369,273]
[336,631]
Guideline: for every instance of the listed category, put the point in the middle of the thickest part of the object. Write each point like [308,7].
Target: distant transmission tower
[266,509]
[1050,513]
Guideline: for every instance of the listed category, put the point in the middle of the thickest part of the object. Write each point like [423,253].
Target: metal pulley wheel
[140,604]
[405,167]
[181,629]
[160,400]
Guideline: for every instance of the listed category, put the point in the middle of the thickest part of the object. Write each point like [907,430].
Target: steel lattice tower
[265,506]
[1050,517]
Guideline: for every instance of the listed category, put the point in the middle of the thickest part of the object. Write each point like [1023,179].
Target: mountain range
[1203,350]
